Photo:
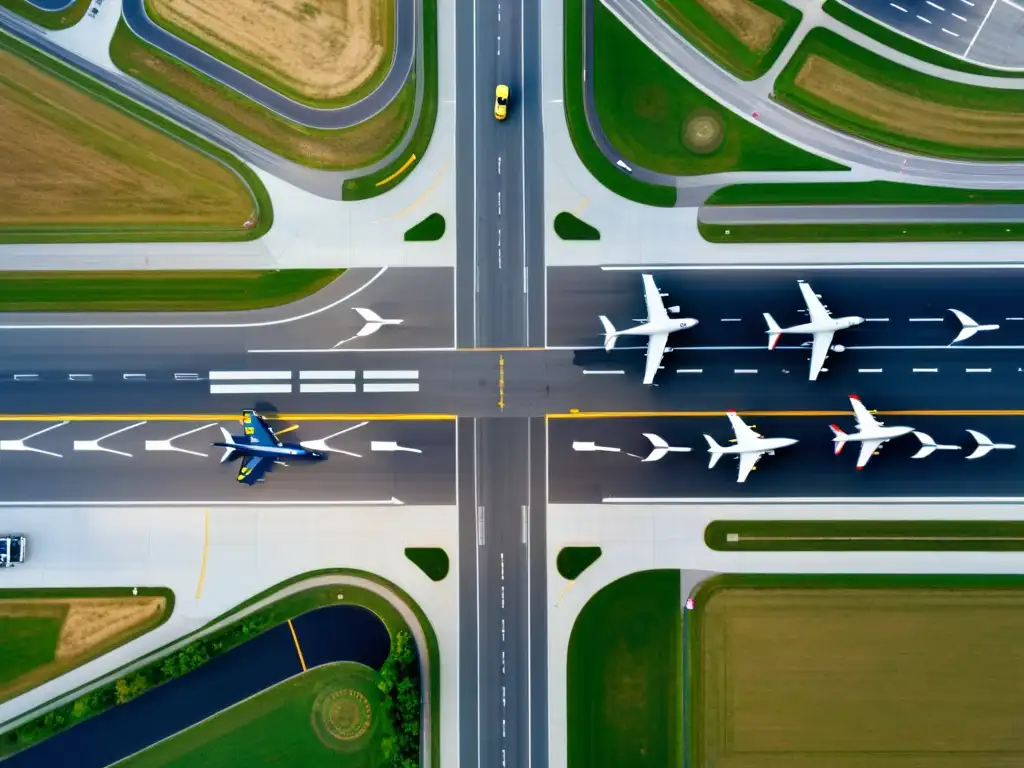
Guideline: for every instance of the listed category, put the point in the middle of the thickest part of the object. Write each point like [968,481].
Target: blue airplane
[260,449]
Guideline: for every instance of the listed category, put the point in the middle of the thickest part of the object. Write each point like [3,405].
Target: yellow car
[501,102]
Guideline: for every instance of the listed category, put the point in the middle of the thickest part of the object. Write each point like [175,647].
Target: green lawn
[590,154]
[157,291]
[863,94]
[659,120]
[286,725]
[860,233]
[572,561]
[624,682]
[856,193]
[344,149]
[433,561]
[392,174]
[49,19]
[569,227]
[904,44]
[768,36]
[428,230]
[28,642]
[865,535]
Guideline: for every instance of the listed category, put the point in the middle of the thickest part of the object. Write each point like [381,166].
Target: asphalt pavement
[949,26]
[808,469]
[326,635]
[860,214]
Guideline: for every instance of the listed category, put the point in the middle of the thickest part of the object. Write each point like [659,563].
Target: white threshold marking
[869,370]
[926,370]
[248,375]
[389,387]
[958,16]
[689,370]
[744,370]
[600,373]
[978,370]
[26,376]
[967,2]
[926,319]
[391,374]
[876,319]
[922,18]
[935,5]
[898,8]
[327,375]
[250,389]
[324,387]
[954,34]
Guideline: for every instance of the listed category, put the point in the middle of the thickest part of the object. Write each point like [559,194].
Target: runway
[860,214]
[150,461]
[805,470]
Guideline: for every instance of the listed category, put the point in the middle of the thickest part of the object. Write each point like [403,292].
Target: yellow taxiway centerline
[298,648]
[766,414]
[227,417]
[206,548]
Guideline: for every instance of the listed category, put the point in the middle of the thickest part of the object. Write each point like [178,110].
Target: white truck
[12,549]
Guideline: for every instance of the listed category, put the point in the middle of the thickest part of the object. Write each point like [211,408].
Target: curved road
[248,669]
[406,22]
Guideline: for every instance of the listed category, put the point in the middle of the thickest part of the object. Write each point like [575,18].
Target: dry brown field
[755,27]
[860,678]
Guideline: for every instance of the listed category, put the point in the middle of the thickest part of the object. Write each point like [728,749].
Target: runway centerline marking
[869,370]
[298,648]
[978,370]
[926,319]
[587,372]
[926,370]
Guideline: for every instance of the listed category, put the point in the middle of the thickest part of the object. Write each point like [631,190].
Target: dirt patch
[91,622]
[751,24]
[70,159]
[703,132]
[323,49]
[908,115]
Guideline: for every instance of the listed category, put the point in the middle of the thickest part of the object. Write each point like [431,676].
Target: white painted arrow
[19,445]
[592,446]
[166,445]
[94,445]
[321,445]
[384,445]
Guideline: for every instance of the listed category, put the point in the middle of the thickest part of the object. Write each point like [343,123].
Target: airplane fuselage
[764,445]
[882,433]
[836,324]
[651,329]
[285,451]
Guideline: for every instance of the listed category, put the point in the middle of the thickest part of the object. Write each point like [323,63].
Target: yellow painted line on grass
[397,173]
[227,417]
[787,414]
[298,648]
[206,547]
[426,193]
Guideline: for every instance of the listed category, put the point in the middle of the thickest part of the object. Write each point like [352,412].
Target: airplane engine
[674,309]
[838,348]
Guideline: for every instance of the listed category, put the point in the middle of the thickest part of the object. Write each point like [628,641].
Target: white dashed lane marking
[689,370]
[926,370]
[745,370]
[978,370]
[869,370]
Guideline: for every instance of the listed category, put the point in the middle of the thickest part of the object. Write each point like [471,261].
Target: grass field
[856,91]
[861,233]
[743,36]
[904,44]
[659,120]
[572,561]
[328,716]
[157,291]
[856,193]
[45,633]
[77,166]
[569,227]
[319,52]
[865,535]
[624,684]
[344,149]
[49,19]
[433,561]
[844,670]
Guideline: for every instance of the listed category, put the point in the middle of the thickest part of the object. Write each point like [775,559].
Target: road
[326,635]
[859,214]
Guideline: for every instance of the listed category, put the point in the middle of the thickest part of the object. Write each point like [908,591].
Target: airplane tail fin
[714,449]
[610,334]
[658,444]
[229,452]
[369,315]
[774,331]
[839,438]
[928,446]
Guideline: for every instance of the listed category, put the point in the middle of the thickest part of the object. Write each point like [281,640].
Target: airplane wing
[655,306]
[747,463]
[867,449]
[744,434]
[253,469]
[863,415]
[257,429]
[815,309]
[819,351]
[656,344]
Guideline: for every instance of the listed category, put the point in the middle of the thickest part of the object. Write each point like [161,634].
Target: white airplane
[749,448]
[822,326]
[985,445]
[929,446]
[871,433]
[969,327]
[374,322]
[657,327]
[661,448]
